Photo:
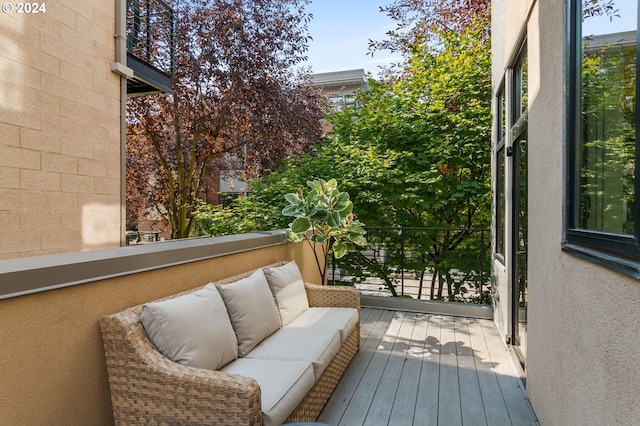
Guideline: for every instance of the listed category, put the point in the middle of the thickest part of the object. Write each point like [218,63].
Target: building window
[500,206]
[521,85]
[601,213]
[501,126]
[511,117]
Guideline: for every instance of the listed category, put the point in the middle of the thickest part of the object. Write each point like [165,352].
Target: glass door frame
[516,254]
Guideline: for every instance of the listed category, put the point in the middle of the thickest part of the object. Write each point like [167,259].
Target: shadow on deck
[426,369]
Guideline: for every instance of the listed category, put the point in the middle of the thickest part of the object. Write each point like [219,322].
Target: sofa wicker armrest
[148,388]
[333,296]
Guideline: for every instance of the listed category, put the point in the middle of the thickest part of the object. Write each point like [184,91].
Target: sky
[341,31]
[625,20]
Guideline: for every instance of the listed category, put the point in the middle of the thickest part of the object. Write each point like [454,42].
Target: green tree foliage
[417,153]
[261,209]
[417,150]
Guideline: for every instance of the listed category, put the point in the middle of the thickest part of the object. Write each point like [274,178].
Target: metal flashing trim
[428,306]
[624,266]
[35,274]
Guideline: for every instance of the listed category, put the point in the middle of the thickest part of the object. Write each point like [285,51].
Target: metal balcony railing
[151,40]
[446,264]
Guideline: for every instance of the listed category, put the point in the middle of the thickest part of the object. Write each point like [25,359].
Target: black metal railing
[150,33]
[447,264]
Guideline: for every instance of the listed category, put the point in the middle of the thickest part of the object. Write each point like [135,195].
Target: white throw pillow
[252,310]
[288,289]
[192,329]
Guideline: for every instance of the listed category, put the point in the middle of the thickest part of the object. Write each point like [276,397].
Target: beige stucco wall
[583,365]
[59,129]
[52,364]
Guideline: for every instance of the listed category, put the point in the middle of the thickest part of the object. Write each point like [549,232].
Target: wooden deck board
[404,404]
[364,393]
[421,369]
[470,396]
[370,334]
[494,405]
[428,391]
[449,391]
[514,395]
[382,402]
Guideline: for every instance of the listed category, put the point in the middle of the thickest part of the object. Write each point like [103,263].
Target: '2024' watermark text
[24,8]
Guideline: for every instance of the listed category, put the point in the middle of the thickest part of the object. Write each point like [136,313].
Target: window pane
[502,116]
[606,146]
[500,206]
[522,84]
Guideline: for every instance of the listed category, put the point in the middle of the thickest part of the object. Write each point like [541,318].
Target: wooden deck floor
[422,369]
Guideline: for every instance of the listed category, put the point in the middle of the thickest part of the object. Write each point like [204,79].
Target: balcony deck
[424,369]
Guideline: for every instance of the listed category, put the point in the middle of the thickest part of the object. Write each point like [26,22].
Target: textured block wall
[59,129]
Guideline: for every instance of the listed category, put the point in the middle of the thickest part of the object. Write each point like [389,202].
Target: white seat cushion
[342,319]
[252,310]
[283,384]
[288,290]
[299,344]
[192,329]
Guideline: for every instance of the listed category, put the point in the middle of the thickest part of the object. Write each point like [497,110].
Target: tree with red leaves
[238,98]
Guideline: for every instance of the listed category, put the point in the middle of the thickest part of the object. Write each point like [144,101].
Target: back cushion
[288,290]
[252,310]
[192,329]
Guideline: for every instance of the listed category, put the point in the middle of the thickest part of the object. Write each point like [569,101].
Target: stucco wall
[583,364]
[52,364]
[59,129]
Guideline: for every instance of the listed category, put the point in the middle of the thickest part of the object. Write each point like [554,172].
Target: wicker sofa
[147,387]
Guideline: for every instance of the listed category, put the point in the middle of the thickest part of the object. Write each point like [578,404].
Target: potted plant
[324,219]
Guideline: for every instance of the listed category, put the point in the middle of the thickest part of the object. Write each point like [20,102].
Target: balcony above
[150,46]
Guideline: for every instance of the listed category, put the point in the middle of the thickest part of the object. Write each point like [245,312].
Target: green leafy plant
[324,217]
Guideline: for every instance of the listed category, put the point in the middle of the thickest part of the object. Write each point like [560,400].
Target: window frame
[616,251]
[511,122]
